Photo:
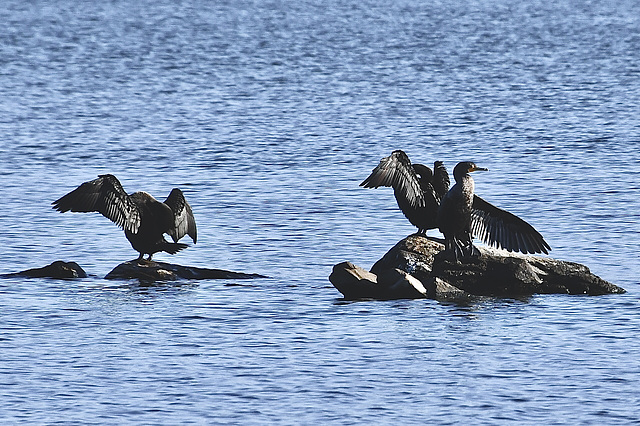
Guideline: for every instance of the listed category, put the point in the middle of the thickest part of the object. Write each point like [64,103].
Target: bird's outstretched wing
[500,228]
[185,223]
[106,196]
[397,172]
[440,181]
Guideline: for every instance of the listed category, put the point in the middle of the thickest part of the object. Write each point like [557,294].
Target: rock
[161,271]
[57,269]
[442,290]
[497,274]
[356,283]
[398,284]
[413,255]
[416,267]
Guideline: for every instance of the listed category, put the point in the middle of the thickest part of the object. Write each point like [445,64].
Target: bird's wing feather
[440,179]
[106,196]
[500,228]
[397,172]
[185,223]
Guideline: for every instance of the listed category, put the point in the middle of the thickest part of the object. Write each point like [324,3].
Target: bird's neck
[467,185]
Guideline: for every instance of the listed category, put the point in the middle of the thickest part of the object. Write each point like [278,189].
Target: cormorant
[417,189]
[463,215]
[144,219]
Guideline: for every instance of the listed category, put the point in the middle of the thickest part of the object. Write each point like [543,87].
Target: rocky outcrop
[58,269]
[143,271]
[416,267]
[160,271]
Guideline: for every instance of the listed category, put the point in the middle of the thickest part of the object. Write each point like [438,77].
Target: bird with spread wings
[144,219]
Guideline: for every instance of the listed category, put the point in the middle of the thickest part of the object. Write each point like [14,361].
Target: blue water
[268,114]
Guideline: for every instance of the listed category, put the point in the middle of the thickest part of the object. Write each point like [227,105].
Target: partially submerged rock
[57,269]
[144,271]
[355,283]
[161,271]
[416,267]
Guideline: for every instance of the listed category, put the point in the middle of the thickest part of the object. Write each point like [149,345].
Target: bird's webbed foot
[458,250]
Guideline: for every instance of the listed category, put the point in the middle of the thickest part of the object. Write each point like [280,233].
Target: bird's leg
[149,258]
[469,249]
[474,252]
[140,259]
[447,246]
[458,250]
[452,248]
[420,232]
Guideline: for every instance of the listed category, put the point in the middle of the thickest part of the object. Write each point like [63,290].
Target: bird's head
[466,167]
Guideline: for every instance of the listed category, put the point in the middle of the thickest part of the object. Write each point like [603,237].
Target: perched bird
[463,215]
[144,219]
[417,189]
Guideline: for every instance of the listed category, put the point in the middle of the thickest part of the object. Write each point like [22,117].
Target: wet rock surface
[416,267]
[161,271]
[57,269]
[143,271]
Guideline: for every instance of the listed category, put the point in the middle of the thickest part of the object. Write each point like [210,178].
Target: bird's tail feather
[173,248]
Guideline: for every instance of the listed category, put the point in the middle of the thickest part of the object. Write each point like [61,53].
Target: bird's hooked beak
[475,168]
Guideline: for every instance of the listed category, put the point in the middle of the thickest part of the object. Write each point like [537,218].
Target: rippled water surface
[268,114]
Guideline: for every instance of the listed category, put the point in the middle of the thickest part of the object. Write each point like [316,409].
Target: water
[268,115]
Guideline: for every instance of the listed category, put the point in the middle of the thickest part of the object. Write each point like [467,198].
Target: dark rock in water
[416,267]
[415,255]
[496,275]
[58,269]
[160,271]
[356,283]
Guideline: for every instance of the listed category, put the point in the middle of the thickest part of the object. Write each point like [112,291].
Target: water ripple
[268,115]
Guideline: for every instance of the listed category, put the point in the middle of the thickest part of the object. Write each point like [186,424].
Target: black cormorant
[463,215]
[418,190]
[144,219]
